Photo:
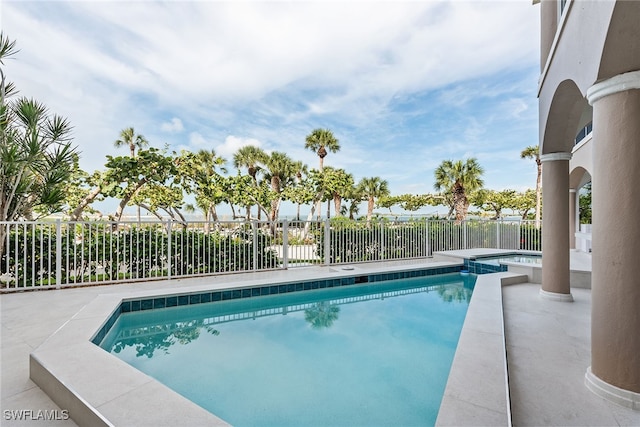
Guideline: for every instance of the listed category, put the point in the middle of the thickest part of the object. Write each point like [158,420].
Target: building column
[615,280]
[555,227]
[574,220]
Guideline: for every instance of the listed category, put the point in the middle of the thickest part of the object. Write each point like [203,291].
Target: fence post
[427,238]
[285,244]
[254,237]
[58,253]
[327,242]
[499,225]
[464,234]
[169,249]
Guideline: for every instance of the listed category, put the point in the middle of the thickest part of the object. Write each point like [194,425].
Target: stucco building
[589,92]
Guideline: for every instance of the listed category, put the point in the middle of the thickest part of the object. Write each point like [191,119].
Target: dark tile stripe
[212,296]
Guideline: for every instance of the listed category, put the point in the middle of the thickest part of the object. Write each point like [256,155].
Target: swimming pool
[522,259]
[499,263]
[355,355]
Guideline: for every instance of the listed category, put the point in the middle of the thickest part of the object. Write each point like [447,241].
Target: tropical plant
[372,188]
[303,190]
[280,171]
[337,183]
[524,203]
[584,202]
[459,179]
[353,196]
[199,175]
[129,138]
[250,157]
[533,152]
[36,153]
[321,141]
[495,202]
[147,168]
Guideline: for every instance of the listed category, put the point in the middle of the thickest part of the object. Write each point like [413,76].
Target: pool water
[362,355]
[522,259]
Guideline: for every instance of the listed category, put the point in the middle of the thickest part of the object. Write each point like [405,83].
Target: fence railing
[55,254]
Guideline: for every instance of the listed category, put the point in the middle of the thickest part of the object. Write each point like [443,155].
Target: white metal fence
[54,254]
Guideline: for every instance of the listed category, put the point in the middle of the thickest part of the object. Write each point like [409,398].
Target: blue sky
[402,85]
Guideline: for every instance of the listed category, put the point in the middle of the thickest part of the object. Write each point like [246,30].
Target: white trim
[555,296]
[619,83]
[610,392]
[552,157]
[582,142]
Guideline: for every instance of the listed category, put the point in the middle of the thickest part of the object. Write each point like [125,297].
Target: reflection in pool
[375,354]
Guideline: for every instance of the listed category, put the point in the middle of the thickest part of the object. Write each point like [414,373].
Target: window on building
[563,3]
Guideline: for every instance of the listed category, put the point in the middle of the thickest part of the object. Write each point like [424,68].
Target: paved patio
[547,344]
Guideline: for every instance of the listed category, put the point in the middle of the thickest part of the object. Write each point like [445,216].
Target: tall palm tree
[459,178]
[372,188]
[249,157]
[533,152]
[321,140]
[128,138]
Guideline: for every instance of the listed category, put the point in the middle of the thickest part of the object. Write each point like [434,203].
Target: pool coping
[477,390]
[64,366]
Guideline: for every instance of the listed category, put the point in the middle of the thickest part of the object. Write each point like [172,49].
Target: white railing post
[169,249]
[464,235]
[285,244]
[498,226]
[254,240]
[327,242]
[427,238]
[58,253]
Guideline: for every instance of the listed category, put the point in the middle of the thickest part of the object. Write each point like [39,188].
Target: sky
[403,85]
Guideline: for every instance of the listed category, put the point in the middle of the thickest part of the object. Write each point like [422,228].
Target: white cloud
[232,144]
[274,71]
[172,126]
[197,141]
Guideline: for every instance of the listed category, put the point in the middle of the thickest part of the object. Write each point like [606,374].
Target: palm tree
[319,141]
[372,188]
[354,196]
[129,139]
[337,182]
[459,178]
[250,156]
[533,152]
[281,171]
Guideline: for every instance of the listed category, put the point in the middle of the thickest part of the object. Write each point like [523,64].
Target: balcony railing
[56,254]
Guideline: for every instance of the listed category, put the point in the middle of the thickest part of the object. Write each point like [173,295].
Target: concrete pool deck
[547,343]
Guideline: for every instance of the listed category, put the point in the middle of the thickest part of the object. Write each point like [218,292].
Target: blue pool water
[523,259]
[363,355]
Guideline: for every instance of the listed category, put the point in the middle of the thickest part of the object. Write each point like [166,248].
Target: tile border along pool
[99,389]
